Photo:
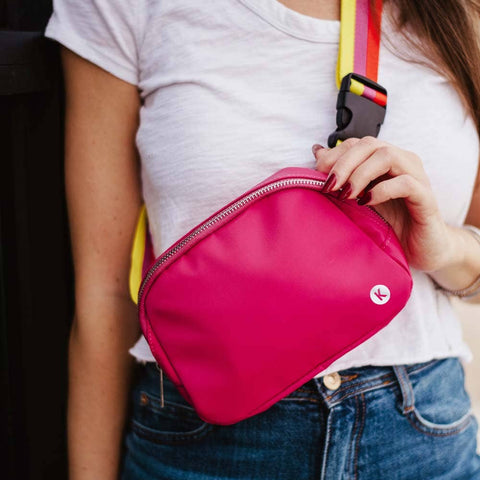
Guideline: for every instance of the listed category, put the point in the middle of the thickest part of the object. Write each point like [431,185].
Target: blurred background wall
[35,269]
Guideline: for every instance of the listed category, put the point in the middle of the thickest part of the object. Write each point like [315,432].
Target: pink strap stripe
[374,96]
[361,36]
[370,93]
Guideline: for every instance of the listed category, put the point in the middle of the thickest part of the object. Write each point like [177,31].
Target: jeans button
[332,381]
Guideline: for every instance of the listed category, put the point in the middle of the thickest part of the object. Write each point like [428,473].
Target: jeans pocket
[173,423]
[440,405]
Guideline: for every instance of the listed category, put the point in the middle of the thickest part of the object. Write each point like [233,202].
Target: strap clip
[361,108]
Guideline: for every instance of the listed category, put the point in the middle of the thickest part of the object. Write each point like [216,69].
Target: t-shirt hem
[465,357]
[84,49]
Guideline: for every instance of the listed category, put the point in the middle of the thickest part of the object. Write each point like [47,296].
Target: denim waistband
[355,381]
[352,382]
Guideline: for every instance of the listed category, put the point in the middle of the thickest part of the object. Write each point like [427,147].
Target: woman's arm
[466,267]
[103,197]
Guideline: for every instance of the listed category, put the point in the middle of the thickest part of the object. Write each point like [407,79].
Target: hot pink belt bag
[268,292]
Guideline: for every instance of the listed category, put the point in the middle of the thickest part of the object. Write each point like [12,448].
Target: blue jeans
[410,422]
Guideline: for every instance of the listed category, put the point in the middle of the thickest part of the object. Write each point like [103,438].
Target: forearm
[99,378]
[462,265]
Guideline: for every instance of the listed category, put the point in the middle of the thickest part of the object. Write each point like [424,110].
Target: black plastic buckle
[357,116]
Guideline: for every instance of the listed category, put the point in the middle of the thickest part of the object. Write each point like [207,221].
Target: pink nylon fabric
[265,299]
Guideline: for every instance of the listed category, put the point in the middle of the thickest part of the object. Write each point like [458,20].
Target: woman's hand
[394,181]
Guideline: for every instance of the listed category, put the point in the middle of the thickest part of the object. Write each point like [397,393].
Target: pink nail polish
[329,183]
[316,148]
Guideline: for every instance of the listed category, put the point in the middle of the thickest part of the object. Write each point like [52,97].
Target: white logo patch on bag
[380,294]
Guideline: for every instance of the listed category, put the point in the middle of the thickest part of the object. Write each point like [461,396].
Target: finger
[326,158]
[371,184]
[367,174]
[418,199]
[386,161]
[350,159]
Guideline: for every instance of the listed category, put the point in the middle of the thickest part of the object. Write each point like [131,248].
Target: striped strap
[360,45]
[358,53]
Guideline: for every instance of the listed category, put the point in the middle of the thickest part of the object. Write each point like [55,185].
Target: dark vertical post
[35,267]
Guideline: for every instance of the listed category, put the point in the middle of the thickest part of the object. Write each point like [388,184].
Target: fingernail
[365,198]
[346,191]
[369,186]
[316,148]
[329,183]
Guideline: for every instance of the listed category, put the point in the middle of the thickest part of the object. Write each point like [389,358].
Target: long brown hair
[446,32]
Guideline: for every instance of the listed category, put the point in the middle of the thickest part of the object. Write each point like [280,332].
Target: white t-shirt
[234,90]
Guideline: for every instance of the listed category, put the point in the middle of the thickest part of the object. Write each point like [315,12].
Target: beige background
[470,317]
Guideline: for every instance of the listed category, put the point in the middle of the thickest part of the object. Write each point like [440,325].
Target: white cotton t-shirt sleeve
[105,32]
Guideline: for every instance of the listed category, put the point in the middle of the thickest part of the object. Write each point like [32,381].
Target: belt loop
[405,387]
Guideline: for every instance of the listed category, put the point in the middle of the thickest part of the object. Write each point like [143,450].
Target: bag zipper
[277,185]
[162,397]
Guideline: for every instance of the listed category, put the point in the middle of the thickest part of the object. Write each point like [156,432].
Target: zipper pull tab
[162,399]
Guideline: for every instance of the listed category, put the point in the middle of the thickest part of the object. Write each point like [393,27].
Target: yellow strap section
[346,49]
[356,87]
[137,254]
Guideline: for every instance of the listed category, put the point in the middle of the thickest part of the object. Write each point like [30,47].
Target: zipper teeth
[226,212]
[220,216]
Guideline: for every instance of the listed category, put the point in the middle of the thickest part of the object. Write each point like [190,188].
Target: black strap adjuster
[357,116]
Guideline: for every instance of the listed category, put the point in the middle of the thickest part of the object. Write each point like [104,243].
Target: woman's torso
[236,90]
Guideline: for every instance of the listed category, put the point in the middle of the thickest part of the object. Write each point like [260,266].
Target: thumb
[318,152]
